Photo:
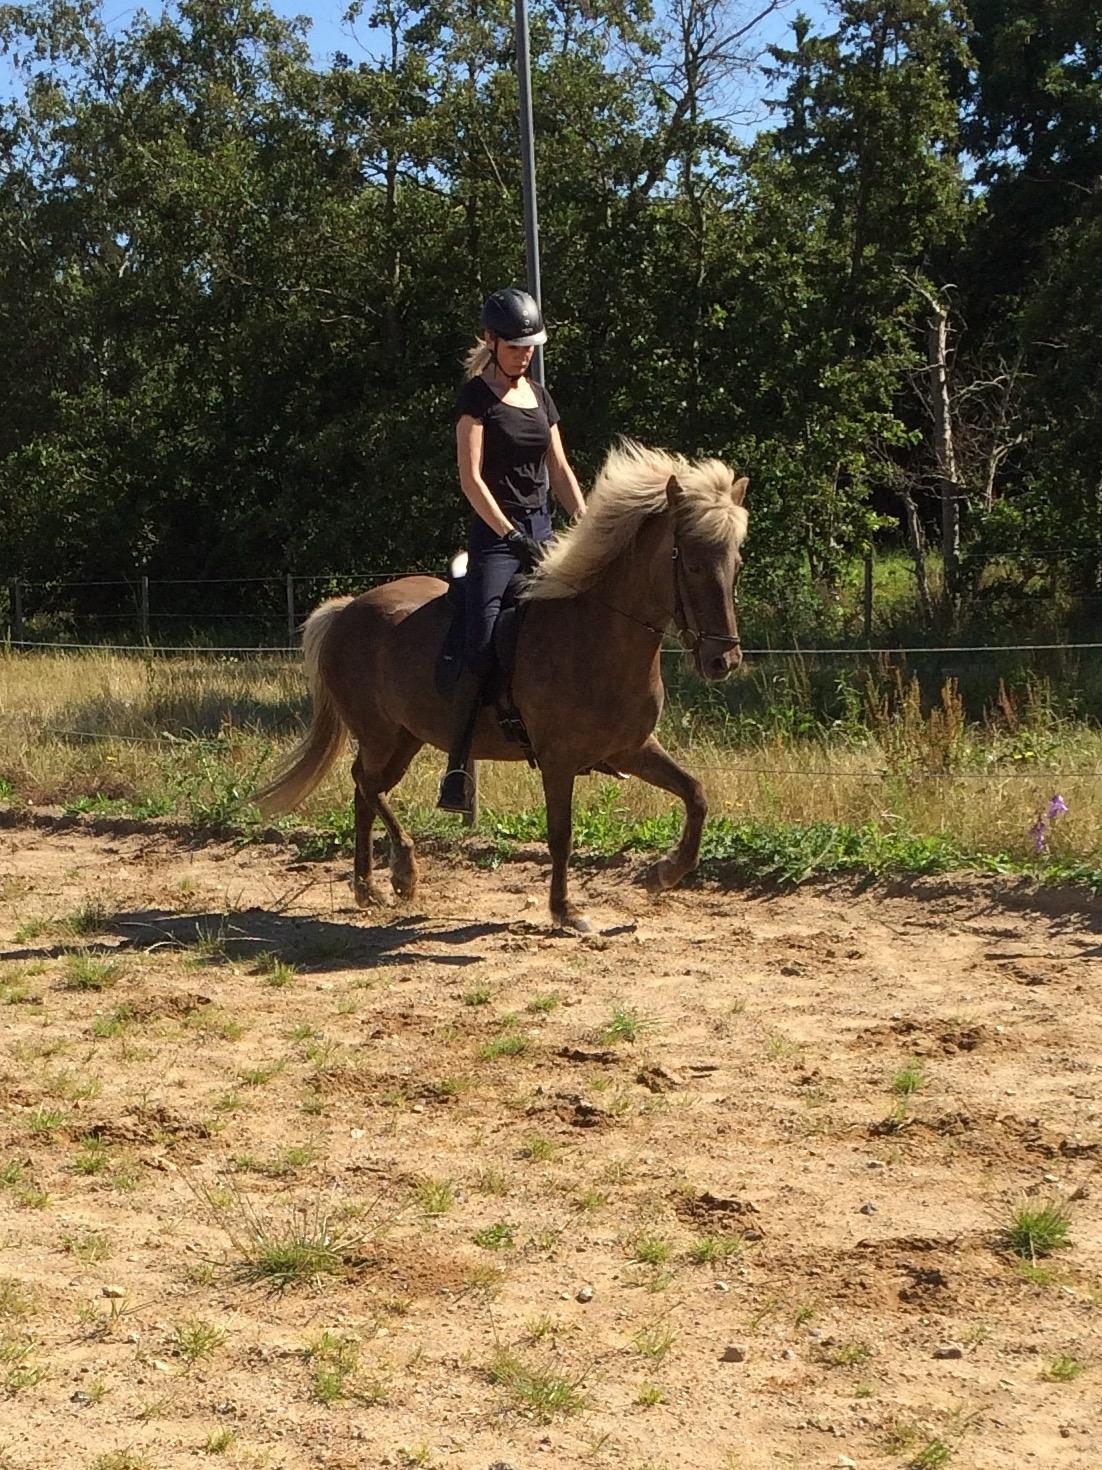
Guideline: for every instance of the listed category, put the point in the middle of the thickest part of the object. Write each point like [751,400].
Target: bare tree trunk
[916,545]
[937,337]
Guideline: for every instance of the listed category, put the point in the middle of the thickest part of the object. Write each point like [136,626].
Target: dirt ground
[687,1118]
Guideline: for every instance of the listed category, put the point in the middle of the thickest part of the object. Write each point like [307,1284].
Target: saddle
[498,689]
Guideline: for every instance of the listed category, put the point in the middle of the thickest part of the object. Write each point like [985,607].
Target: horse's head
[707,559]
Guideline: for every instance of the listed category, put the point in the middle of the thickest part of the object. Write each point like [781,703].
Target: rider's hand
[527,549]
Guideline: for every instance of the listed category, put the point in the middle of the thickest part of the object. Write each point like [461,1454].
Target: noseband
[692,636]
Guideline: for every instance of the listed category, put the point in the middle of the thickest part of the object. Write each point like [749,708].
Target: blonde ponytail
[477,359]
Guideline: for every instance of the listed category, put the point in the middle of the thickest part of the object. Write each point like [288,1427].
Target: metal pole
[16,612]
[290,610]
[528,169]
[868,597]
[145,609]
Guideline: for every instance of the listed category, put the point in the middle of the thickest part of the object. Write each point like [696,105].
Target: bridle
[691,636]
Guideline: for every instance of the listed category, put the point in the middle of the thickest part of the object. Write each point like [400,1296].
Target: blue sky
[328,34]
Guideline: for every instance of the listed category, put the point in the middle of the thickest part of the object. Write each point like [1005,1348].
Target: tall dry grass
[195,736]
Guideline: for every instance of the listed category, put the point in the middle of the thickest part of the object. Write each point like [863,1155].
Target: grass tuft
[1037,1228]
[538,1390]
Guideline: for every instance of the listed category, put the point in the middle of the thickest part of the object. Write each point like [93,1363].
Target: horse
[659,545]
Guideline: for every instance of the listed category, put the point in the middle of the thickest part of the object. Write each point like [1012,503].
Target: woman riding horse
[510,453]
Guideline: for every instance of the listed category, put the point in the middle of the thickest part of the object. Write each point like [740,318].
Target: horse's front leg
[558,794]
[364,887]
[658,768]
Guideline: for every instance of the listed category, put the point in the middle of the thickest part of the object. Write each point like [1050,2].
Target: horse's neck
[638,582]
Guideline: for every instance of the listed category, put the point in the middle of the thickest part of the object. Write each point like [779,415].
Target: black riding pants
[492,564]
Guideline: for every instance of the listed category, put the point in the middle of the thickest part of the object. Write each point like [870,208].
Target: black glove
[527,549]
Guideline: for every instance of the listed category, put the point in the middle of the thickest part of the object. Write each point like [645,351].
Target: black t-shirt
[514,443]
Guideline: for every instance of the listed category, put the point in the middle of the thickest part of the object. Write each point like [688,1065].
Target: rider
[510,453]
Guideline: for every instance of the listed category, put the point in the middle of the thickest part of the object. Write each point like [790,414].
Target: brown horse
[659,545]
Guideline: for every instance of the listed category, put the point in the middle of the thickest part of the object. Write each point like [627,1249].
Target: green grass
[539,1390]
[651,1250]
[434,1196]
[1063,1370]
[196,1339]
[1037,1228]
[86,972]
[712,1249]
[655,1340]
[625,1024]
[908,1080]
[932,1456]
[497,1237]
[510,1045]
[300,1246]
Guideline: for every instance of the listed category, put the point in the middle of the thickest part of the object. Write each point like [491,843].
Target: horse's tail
[312,758]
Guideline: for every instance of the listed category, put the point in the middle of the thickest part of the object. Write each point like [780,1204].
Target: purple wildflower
[1037,832]
[1056,808]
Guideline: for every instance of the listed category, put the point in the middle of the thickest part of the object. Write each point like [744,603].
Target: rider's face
[514,360]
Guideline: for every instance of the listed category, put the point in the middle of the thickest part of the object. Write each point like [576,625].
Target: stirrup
[456,792]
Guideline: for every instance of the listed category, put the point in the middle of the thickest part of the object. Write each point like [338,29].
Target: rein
[693,637]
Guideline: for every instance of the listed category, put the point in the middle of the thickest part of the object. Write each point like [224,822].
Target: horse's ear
[674,492]
[738,490]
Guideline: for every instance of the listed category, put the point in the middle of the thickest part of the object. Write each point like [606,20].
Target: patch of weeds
[543,1005]
[92,916]
[114,1023]
[536,1389]
[211,1021]
[11,1172]
[220,1441]
[478,995]
[91,1247]
[711,1249]
[590,1199]
[512,1044]
[45,1122]
[537,1328]
[804,1313]
[298,1248]
[210,945]
[446,1089]
[649,1395]
[298,1156]
[484,1281]
[931,1456]
[31,929]
[1063,1370]
[651,1250]
[31,1197]
[625,1024]
[492,1181]
[1037,1228]
[778,1048]
[93,1157]
[263,1074]
[847,1354]
[15,1300]
[229,1102]
[908,1080]
[86,972]
[121,1460]
[17,1371]
[499,1236]
[196,1339]
[274,971]
[434,1196]
[539,1150]
[1034,1275]
[335,1359]
[655,1340]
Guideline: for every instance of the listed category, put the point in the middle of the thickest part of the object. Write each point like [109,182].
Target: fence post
[143,610]
[290,610]
[868,598]
[15,593]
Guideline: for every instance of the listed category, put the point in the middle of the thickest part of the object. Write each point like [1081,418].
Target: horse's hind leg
[658,768]
[373,776]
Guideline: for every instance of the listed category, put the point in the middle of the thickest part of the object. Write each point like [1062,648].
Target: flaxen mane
[631,485]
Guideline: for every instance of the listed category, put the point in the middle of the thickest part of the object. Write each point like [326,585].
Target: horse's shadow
[310,944]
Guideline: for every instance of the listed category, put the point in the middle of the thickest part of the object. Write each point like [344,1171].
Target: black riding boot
[456,794]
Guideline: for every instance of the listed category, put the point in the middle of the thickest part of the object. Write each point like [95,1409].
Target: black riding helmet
[514,317]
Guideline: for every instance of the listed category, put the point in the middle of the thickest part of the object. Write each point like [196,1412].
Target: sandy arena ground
[699,1232]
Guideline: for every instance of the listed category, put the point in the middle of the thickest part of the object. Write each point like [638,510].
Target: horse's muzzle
[715,663]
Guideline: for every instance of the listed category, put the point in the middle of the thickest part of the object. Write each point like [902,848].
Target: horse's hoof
[573,921]
[404,883]
[658,877]
[369,897]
